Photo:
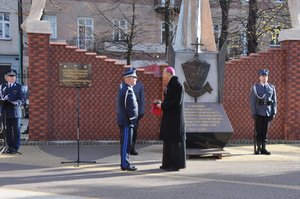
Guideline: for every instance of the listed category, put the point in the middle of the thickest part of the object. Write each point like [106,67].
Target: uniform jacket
[172,123]
[127,106]
[140,97]
[263,101]
[16,95]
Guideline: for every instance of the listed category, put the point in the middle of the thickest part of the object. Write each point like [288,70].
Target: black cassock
[172,126]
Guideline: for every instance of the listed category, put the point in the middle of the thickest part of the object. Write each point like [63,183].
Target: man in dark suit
[140,96]
[263,104]
[14,93]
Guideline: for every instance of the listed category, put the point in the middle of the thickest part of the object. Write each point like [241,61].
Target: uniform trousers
[261,127]
[134,136]
[125,140]
[13,126]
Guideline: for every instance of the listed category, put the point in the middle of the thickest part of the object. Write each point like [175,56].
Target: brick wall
[241,74]
[53,113]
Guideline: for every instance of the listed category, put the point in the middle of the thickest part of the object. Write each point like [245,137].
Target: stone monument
[294,32]
[196,62]
[33,23]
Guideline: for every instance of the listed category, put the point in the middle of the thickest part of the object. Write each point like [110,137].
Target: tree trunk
[225,5]
[251,27]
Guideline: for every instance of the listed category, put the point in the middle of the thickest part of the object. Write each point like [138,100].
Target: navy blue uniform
[127,115]
[13,113]
[140,97]
[263,104]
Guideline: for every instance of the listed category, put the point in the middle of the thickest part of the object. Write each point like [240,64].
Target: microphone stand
[78,161]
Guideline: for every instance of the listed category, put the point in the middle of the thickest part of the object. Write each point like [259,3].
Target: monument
[33,23]
[201,69]
[294,32]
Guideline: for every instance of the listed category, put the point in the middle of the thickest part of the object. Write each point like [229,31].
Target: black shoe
[163,167]
[257,152]
[11,152]
[134,152]
[264,151]
[131,168]
[172,169]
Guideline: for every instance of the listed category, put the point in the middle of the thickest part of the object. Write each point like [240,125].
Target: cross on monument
[197,44]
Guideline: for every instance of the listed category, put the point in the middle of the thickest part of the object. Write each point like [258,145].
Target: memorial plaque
[207,125]
[75,75]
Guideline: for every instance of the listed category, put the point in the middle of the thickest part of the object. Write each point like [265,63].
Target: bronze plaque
[75,75]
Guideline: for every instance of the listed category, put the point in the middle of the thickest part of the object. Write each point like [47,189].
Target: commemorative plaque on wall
[75,75]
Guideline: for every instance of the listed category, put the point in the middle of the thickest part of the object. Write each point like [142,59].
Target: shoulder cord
[255,92]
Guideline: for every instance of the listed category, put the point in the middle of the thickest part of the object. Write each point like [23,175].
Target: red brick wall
[241,74]
[292,78]
[53,113]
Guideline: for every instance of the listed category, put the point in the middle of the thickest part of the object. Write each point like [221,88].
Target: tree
[262,18]
[124,37]
[252,25]
[225,5]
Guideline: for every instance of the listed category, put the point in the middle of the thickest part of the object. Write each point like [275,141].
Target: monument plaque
[75,74]
[207,125]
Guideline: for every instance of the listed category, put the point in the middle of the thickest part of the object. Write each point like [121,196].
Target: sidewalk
[38,173]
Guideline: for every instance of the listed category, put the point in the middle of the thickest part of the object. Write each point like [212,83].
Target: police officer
[14,93]
[140,97]
[263,105]
[127,116]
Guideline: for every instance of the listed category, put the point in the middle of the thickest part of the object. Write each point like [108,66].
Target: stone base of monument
[212,152]
[208,128]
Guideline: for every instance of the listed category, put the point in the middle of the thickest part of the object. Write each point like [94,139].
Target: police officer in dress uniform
[127,116]
[14,93]
[140,97]
[263,105]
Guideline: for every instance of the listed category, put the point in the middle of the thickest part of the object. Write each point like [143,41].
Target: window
[163,32]
[163,2]
[278,1]
[85,27]
[243,40]
[244,2]
[120,30]
[217,33]
[5,26]
[274,36]
[53,22]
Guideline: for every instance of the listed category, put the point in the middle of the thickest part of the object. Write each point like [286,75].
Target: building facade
[9,37]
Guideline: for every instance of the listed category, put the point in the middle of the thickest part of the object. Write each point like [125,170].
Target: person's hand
[131,125]
[140,116]
[158,105]
[157,101]
[271,117]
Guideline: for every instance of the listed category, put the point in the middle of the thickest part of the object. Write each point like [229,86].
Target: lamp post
[20,21]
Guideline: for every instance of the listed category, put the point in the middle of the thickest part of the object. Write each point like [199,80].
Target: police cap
[11,72]
[130,72]
[263,72]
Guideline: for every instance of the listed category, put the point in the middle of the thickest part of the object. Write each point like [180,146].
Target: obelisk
[195,60]
[294,32]
[195,22]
